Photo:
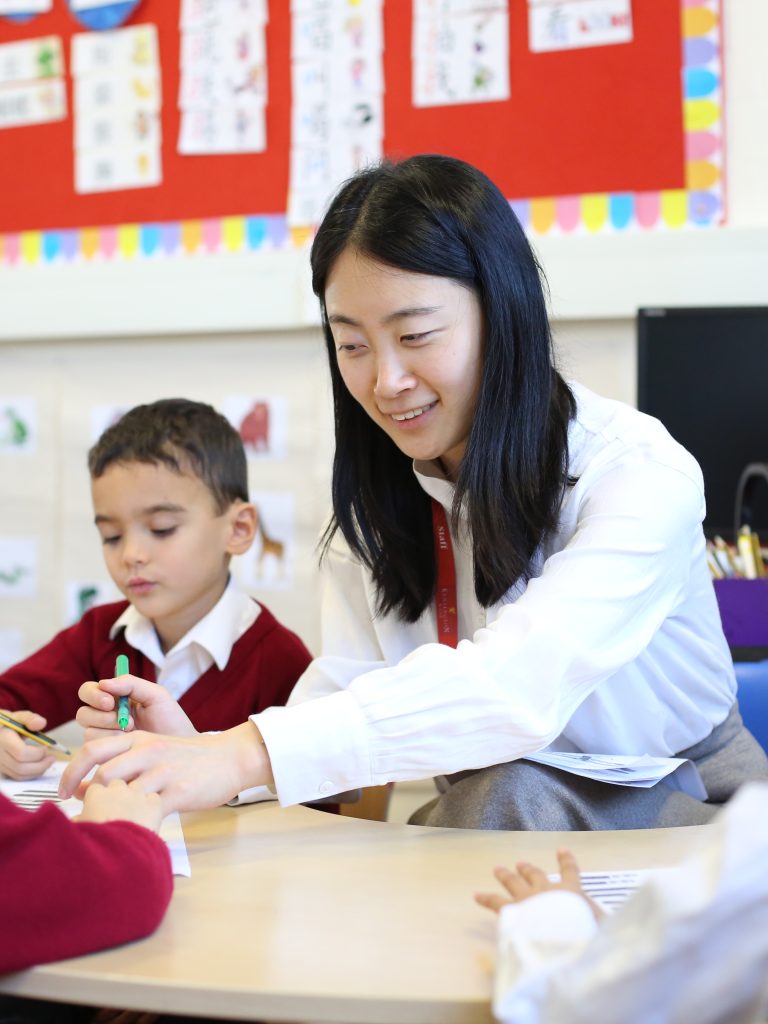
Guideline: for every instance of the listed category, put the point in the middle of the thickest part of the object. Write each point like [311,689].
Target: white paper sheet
[574,24]
[619,770]
[460,52]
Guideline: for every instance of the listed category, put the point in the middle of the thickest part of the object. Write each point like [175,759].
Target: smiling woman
[409,351]
[512,563]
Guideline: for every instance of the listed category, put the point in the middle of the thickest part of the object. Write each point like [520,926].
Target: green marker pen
[122,668]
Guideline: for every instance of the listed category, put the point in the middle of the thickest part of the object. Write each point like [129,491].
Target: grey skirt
[524,796]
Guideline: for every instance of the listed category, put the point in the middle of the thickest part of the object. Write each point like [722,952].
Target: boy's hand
[530,881]
[120,801]
[20,758]
[188,773]
[152,708]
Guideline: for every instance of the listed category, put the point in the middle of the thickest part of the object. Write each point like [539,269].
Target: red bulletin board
[602,119]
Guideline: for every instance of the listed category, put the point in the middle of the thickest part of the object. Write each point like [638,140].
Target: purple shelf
[744,611]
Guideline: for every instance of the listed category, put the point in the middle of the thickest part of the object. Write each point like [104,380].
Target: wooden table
[295,915]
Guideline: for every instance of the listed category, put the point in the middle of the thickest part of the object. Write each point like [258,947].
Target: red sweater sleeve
[73,888]
[48,680]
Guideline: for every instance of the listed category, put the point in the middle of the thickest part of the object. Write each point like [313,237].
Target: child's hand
[120,801]
[530,881]
[20,758]
[152,708]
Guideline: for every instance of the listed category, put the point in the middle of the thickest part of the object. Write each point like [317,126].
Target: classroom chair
[372,805]
[752,682]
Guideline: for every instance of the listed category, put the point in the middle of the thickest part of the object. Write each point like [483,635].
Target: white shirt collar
[216,633]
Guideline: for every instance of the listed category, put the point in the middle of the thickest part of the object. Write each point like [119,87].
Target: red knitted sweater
[262,669]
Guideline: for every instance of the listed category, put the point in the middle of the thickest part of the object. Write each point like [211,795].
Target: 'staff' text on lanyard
[445,594]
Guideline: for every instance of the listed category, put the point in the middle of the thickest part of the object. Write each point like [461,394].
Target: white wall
[207,327]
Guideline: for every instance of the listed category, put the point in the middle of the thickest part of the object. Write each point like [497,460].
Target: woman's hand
[152,708]
[187,773]
[529,881]
[121,801]
[19,758]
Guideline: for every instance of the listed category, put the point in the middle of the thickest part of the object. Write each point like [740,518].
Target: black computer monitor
[704,374]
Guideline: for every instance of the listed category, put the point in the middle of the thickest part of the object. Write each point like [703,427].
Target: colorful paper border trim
[128,241]
[700,204]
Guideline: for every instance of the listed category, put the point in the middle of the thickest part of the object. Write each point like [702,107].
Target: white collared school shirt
[210,640]
[614,647]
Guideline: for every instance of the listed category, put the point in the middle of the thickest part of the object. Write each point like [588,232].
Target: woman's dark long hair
[439,216]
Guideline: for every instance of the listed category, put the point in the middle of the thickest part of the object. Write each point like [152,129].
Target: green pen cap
[122,668]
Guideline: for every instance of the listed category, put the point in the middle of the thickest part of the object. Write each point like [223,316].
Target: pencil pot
[743,611]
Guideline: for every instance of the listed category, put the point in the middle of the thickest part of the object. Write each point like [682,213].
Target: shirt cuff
[536,937]
[317,748]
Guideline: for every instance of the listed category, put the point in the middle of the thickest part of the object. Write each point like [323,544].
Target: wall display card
[135,48]
[460,52]
[103,169]
[195,13]
[223,79]
[342,29]
[18,425]
[114,95]
[117,100]
[131,127]
[239,44]
[269,565]
[321,122]
[31,59]
[25,6]
[18,566]
[337,115]
[229,128]
[261,421]
[32,87]
[81,595]
[572,24]
[104,416]
[32,103]
[11,648]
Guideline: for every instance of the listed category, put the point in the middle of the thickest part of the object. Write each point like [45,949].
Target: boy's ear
[244,521]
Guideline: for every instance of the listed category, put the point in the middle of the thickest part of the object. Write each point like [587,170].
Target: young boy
[170,496]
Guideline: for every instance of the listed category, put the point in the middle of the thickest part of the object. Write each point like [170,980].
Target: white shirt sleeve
[511,689]
[690,946]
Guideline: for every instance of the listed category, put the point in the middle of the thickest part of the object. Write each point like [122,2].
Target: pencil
[30,734]
[122,668]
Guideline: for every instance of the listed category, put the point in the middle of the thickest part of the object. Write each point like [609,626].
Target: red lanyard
[445,594]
